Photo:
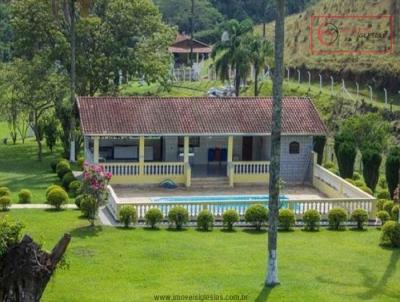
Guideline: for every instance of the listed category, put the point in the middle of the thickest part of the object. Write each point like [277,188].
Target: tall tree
[274,184]
[260,50]
[232,53]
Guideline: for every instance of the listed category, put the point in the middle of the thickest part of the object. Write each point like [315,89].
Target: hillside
[379,70]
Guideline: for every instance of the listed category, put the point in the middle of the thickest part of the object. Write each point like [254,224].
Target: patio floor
[143,194]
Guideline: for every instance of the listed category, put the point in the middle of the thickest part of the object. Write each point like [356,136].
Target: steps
[210,182]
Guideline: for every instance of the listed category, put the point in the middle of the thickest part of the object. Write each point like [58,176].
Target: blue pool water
[219,198]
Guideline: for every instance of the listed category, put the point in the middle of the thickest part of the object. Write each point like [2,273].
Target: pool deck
[136,194]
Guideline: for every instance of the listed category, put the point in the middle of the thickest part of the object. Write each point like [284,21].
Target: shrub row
[256,215]
[24,196]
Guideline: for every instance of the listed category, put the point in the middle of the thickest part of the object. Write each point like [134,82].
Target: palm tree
[69,11]
[260,50]
[231,52]
[274,185]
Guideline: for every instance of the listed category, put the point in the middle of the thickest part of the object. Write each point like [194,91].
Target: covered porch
[154,159]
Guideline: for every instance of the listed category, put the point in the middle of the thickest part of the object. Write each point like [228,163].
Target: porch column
[96,147]
[141,155]
[188,171]
[229,160]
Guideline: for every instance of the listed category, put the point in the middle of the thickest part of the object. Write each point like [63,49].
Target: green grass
[110,264]
[20,169]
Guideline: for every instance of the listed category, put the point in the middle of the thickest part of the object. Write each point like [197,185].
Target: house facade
[150,140]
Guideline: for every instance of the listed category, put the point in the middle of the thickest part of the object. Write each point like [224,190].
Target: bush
[383,194]
[367,190]
[360,216]
[25,196]
[75,188]
[380,203]
[127,215]
[359,183]
[311,219]
[87,206]
[382,183]
[395,213]
[5,202]
[229,218]
[329,165]
[286,219]
[51,188]
[67,179]
[80,162]
[78,200]
[57,197]
[356,176]
[62,168]
[383,216]
[257,215]
[391,234]
[4,191]
[153,216]
[53,164]
[178,216]
[336,217]
[350,181]
[205,220]
[388,206]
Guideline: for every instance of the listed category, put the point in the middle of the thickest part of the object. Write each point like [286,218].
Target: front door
[247,148]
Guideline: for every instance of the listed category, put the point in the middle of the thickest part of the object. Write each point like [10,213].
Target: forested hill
[379,70]
[210,13]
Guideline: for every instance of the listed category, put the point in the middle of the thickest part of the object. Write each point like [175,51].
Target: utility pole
[264,8]
[191,33]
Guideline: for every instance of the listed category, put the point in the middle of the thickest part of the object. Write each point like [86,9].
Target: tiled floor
[141,194]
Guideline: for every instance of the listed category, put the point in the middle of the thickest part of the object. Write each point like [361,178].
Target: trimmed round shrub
[380,203]
[87,206]
[51,188]
[153,216]
[80,162]
[25,196]
[286,219]
[329,165]
[75,188]
[178,216]
[54,163]
[395,213]
[5,202]
[388,206]
[359,183]
[62,168]
[391,234]
[229,218]
[383,194]
[360,216]
[4,191]
[78,200]
[257,215]
[127,215]
[336,217]
[205,220]
[383,216]
[311,220]
[57,197]
[367,190]
[356,176]
[67,179]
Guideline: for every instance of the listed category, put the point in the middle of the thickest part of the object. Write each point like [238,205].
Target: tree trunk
[73,81]
[25,269]
[256,72]
[237,82]
[272,275]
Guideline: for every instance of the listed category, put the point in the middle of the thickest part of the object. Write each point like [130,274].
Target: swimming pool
[214,199]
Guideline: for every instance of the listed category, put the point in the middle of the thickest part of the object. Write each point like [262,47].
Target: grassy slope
[20,169]
[107,264]
[297,42]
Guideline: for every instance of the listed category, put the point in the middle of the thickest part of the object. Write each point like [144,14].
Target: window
[194,141]
[294,148]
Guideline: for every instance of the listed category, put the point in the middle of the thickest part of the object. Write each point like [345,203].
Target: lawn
[20,169]
[109,264]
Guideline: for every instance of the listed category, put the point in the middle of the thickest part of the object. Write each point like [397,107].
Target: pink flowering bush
[94,190]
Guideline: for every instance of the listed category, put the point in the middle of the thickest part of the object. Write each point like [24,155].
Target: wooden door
[247,148]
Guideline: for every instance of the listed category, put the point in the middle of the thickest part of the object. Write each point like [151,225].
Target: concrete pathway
[18,206]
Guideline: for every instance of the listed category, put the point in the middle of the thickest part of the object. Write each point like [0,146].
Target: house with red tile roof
[149,140]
